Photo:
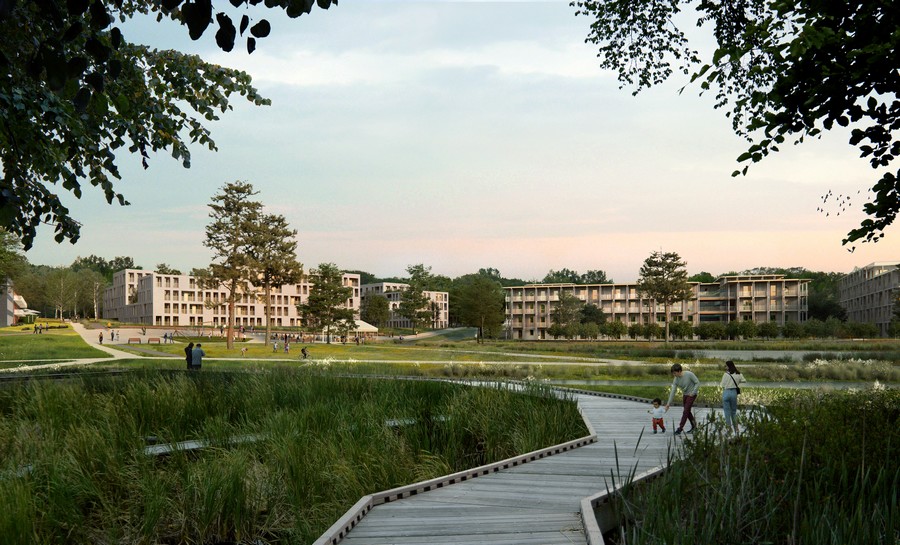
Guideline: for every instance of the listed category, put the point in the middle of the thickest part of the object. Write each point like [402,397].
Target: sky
[469,134]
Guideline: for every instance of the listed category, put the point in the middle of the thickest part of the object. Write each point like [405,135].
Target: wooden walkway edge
[545,497]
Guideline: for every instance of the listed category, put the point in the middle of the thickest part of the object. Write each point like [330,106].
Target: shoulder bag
[736,387]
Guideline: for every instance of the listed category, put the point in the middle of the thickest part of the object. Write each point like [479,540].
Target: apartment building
[13,309]
[762,298]
[147,297]
[868,294]
[438,303]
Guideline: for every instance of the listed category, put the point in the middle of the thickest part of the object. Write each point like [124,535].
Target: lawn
[383,351]
[54,344]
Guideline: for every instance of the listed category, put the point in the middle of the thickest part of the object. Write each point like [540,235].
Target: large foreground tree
[74,92]
[783,70]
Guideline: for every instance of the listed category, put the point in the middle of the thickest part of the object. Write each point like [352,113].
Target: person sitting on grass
[690,387]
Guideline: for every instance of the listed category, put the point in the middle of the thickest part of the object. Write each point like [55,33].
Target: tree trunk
[268,296]
[229,335]
[667,323]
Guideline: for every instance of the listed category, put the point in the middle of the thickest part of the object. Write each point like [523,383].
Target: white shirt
[728,384]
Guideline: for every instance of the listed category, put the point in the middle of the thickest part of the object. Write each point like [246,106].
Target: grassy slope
[58,344]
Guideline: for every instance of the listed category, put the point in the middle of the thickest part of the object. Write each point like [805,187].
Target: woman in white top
[731,382]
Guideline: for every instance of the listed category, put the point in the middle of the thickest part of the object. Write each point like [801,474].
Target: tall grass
[321,443]
[815,468]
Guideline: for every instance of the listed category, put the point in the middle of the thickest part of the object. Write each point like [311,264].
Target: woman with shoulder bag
[731,387]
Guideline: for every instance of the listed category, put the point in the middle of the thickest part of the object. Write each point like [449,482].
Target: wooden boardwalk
[538,502]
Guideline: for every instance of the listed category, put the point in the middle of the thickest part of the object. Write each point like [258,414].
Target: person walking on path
[197,357]
[188,355]
[101,337]
[690,387]
[731,387]
[657,413]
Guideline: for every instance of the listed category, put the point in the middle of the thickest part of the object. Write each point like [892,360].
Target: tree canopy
[375,309]
[74,92]
[663,278]
[12,262]
[273,259]
[325,308]
[414,303]
[234,220]
[784,71]
[568,276]
[165,268]
[482,305]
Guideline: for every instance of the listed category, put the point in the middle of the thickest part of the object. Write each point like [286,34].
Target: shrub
[814,467]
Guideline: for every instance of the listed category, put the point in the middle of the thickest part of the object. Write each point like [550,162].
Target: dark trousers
[687,414]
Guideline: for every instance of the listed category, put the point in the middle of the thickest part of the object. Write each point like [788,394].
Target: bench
[134,340]
[153,339]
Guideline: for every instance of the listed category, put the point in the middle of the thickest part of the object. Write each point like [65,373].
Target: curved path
[538,502]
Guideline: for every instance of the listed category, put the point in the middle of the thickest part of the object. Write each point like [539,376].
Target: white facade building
[147,297]
[868,294]
[14,308]
[438,304]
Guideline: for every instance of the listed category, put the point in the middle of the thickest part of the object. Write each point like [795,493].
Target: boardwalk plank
[533,503]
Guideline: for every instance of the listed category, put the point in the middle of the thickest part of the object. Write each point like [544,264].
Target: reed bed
[814,467]
[73,468]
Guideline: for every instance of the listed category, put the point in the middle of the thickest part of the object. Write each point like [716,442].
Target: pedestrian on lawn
[189,354]
[197,357]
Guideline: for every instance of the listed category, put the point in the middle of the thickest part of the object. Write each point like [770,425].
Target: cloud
[316,68]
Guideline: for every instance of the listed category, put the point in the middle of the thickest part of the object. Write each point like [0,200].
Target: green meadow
[59,342]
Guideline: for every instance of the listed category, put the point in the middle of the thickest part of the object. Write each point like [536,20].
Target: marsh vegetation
[814,467]
[74,468]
